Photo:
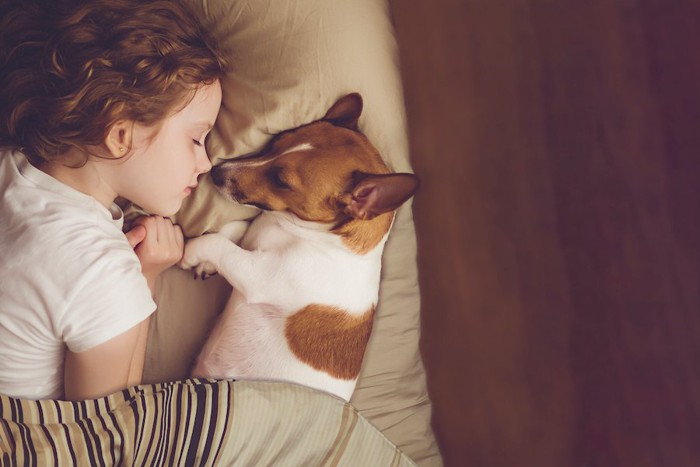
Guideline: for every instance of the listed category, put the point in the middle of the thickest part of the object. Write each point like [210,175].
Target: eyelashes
[200,142]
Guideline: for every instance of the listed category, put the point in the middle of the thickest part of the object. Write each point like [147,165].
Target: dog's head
[325,171]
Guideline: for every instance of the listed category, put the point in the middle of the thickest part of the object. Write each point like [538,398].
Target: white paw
[198,256]
[204,271]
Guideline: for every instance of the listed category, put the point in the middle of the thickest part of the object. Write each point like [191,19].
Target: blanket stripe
[193,422]
[50,432]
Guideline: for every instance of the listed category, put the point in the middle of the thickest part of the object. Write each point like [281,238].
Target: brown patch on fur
[361,236]
[329,339]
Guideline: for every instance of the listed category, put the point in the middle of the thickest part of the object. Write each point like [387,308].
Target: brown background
[558,227]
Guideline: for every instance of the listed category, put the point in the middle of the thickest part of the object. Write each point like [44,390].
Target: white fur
[299,147]
[284,265]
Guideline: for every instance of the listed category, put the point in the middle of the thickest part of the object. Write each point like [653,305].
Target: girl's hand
[158,243]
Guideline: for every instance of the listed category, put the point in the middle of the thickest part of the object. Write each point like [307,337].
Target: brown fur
[329,339]
[362,236]
[318,180]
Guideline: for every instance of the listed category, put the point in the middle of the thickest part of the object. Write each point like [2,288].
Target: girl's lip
[189,189]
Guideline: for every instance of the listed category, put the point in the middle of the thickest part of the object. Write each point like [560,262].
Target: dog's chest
[266,234]
[312,267]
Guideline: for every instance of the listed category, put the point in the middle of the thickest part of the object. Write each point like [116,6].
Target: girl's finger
[149,223]
[179,238]
[136,235]
[163,224]
[172,236]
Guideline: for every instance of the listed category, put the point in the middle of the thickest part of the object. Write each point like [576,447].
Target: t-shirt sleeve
[110,297]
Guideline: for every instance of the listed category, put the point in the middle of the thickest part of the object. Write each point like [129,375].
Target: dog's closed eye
[275,176]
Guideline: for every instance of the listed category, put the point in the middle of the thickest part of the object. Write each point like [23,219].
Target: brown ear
[377,194]
[346,111]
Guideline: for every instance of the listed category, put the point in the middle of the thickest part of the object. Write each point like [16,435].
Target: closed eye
[196,143]
[275,176]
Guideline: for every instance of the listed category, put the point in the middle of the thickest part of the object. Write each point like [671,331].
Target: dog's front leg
[202,253]
[211,253]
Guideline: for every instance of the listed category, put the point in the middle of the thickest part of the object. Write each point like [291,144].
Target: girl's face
[164,167]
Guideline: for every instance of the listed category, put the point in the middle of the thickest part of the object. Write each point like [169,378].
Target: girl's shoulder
[53,229]
[39,209]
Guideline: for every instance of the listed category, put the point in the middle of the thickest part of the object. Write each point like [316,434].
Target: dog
[306,276]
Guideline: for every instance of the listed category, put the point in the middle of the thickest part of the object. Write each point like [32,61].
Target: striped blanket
[194,422]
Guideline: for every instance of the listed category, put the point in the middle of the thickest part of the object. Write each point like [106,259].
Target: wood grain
[557,142]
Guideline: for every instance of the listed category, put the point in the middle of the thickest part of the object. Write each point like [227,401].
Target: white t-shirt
[68,278]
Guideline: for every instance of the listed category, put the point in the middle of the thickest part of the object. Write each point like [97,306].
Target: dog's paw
[196,256]
[204,271]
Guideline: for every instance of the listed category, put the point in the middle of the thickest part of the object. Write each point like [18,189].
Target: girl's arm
[108,367]
[139,357]
[118,363]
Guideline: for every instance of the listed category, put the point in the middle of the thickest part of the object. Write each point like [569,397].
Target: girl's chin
[164,211]
[164,206]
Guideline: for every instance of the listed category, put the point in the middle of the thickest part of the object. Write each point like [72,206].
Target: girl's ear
[119,137]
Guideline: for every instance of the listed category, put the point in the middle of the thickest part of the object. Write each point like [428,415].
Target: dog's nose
[217,175]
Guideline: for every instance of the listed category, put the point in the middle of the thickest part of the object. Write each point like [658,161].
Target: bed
[289,61]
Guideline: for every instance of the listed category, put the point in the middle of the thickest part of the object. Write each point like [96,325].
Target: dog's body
[306,277]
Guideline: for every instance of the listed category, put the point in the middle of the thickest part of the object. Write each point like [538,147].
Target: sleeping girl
[99,100]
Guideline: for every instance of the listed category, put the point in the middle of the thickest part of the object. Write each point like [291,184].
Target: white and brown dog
[306,277]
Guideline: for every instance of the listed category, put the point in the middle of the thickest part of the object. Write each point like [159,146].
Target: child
[98,100]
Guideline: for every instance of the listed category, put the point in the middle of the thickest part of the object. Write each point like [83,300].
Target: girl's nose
[203,162]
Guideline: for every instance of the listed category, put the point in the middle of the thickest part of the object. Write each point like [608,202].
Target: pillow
[289,62]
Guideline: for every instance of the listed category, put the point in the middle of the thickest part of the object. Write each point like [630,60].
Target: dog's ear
[346,111]
[373,195]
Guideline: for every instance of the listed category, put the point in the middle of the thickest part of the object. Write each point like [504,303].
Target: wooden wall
[558,145]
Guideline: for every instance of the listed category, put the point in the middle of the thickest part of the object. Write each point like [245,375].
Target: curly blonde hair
[70,69]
